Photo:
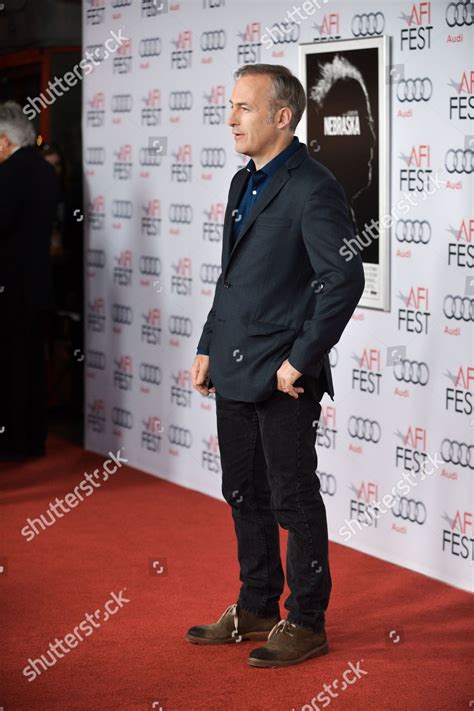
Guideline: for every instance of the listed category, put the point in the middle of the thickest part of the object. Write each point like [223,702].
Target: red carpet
[139,656]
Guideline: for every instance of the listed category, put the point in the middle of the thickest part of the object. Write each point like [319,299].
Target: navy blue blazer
[284,291]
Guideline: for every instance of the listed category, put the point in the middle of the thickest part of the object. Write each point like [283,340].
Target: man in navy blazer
[281,303]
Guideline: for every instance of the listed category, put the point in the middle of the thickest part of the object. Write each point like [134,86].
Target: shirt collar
[272,166]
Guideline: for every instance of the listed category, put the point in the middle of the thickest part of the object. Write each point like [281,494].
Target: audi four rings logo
[149,373]
[180,326]
[121,3]
[414,89]
[122,418]
[210,273]
[213,157]
[460,308]
[96,360]
[151,266]
[368,24]
[410,510]
[213,40]
[459,160]
[411,371]
[180,436]
[413,231]
[122,209]
[458,453]
[150,47]
[122,314]
[328,483]
[180,214]
[288,32]
[180,100]
[96,258]
[121,103]
[459,14]
[362,428]
[95,155]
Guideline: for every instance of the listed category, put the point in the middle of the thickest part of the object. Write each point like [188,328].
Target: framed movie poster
[346,127]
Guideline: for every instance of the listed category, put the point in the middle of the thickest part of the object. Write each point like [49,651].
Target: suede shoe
[234,625]
[288,644]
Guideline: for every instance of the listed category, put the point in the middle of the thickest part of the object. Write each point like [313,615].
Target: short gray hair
[288,90]
[15,125]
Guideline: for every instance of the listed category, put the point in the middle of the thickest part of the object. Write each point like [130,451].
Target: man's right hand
[200,375]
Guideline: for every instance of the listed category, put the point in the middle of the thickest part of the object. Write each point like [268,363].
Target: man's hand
[286,376]
[200,375]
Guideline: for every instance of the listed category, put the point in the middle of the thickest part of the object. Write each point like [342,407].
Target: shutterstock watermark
[376,509]
[353,673]
[71,78]
[58,508]
[284,27]
[371,232]
[88,624]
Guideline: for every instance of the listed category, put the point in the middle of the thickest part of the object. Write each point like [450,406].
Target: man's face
[250,112]
[6,147]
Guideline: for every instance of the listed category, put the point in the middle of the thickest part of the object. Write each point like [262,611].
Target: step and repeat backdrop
[395,447]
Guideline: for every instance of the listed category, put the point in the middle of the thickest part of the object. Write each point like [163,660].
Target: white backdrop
[158,162]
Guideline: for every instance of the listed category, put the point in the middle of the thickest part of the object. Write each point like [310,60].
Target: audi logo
[414,89]
[180,326]
[459,160]
[96,360]
[459,308]
[122,418]
[180,436]
[96,258]
[180,100]
[458,453]
[411,371]
[327,483]
[213,40]
[413,231]
[122,314]
[213,157]
[121,3]
[149,373]
[289,32]
[180,213]
[121,103]
[368,24]
[459,14]
[122,209]
[151,266]
[95,155]
[410,510]
[209,273]
[362,428]
[150,47]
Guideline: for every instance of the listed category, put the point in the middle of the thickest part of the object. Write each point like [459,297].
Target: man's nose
[231,120]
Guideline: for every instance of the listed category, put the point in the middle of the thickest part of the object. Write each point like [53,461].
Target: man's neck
[261,161]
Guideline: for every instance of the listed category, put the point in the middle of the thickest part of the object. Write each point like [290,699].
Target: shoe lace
[282,627]
[232,609]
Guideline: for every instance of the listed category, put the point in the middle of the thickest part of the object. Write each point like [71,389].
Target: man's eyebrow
[239,103]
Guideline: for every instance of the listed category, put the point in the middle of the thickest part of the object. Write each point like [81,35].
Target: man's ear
[285,117]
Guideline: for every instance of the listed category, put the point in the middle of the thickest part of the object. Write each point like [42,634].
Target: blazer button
[227,284]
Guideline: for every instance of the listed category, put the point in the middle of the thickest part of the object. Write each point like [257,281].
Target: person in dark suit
[282,301]
[28,199]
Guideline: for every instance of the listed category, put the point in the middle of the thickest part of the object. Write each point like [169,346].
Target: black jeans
[269,477]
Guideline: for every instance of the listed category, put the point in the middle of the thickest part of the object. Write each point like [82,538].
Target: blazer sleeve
[325,227]
[205,340]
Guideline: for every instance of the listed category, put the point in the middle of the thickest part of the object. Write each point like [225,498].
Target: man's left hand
[286,376]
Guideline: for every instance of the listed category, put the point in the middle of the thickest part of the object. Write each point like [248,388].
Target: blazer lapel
[238,190]
[275,185]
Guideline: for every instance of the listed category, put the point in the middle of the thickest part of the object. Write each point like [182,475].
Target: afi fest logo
[417,33]
[96,315]
[249,48]
[458,396]
[123,373]
[326,427]
[461,104]
[123,268]
[122,167]
[364,504]
[182,54]
[150,114]
[458,536]
[181,388]
[213,110]
[368,375]
[461,250]
[210,458]
[411,454]
[182,165]
[96,213]
[417,176]
[150,332]
[150,224]
[328,29]
[151,434]
[414,317]
[95,113]
[213,225]
[182,279]
[96,416]
[122,61]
